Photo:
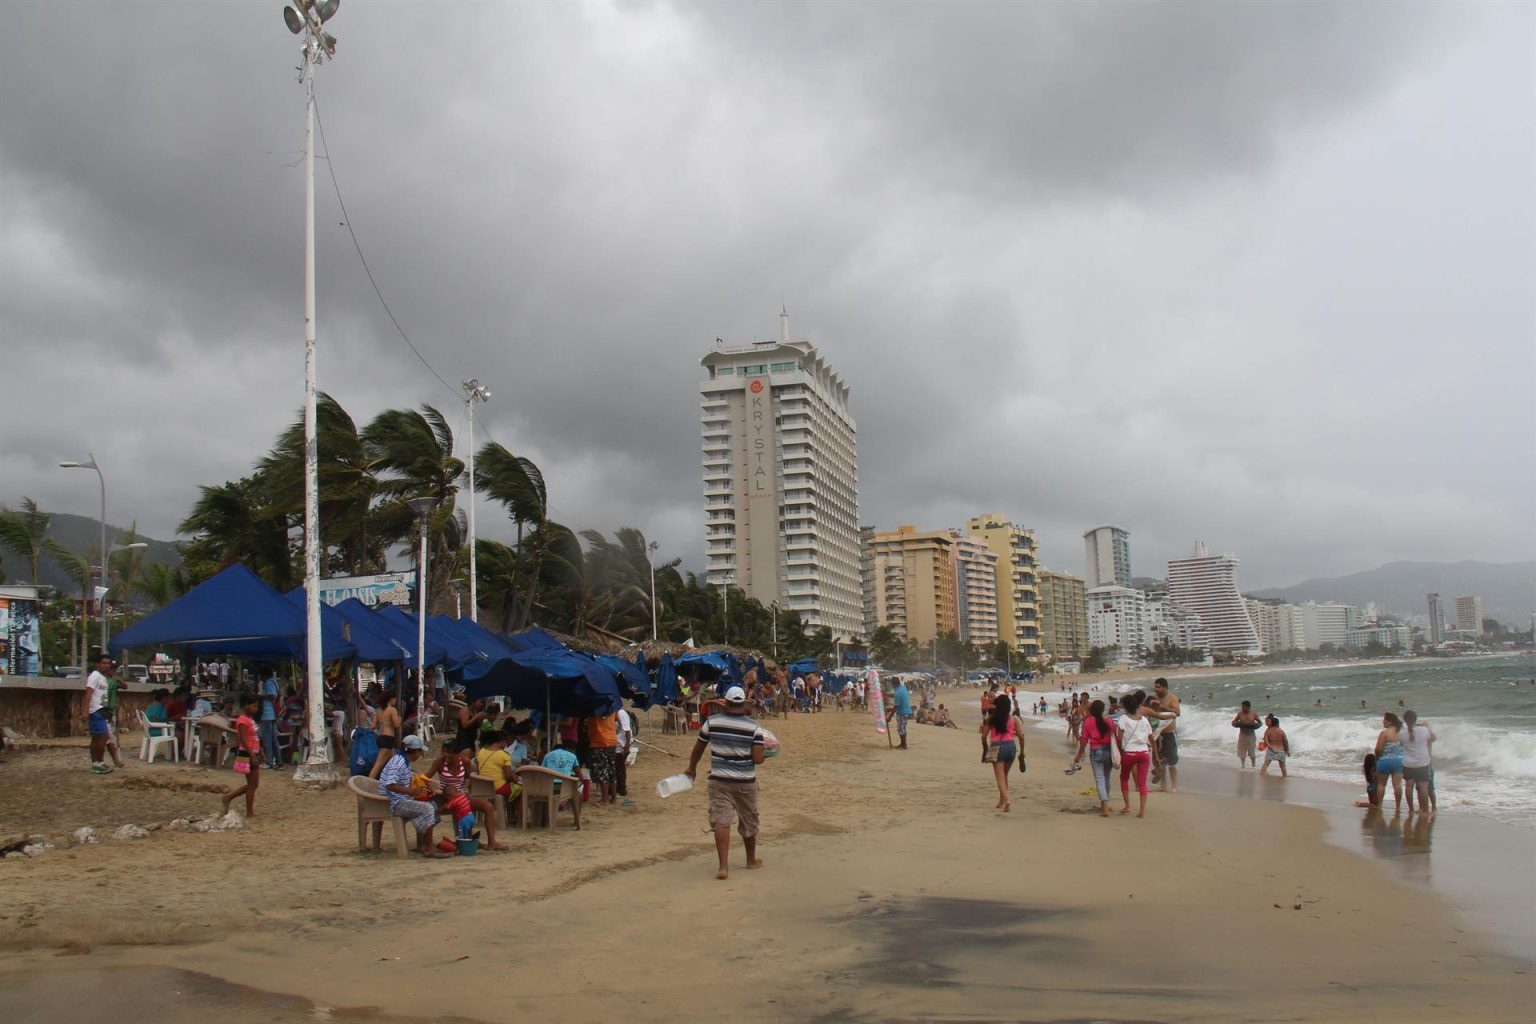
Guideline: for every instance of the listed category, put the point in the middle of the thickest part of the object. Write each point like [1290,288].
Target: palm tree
[234,523]
[516,483]
[411,455]
[159,584]
[22,531]
[81,571]
[347,487]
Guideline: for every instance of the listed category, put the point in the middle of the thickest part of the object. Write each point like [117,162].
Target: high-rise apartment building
[781,488]
[1207,585]
[914,582]
[1436,620]
[975,590]
[867,579]
[1328,622]
[1018,599]
[1167,623]
[1063,616]
[1109,557]
[1266,624]
[1469,614]
[1117,623]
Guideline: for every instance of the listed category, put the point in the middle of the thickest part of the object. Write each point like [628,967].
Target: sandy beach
[892,891]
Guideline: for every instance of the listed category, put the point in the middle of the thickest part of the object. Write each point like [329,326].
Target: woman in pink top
[1001,729]
[1097,736]
[248,751]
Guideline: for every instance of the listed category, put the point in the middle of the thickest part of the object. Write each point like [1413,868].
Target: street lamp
[307,18]
[422,507]
[457,583]
[90,463]
[725,602]
[106,572]
[473,393]
[652,547]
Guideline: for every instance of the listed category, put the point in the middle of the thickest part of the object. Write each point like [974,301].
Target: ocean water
[1483,711]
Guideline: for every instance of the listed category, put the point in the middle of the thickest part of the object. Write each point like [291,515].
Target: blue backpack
[365,750]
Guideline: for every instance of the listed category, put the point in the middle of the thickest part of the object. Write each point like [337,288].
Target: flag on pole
[876,699]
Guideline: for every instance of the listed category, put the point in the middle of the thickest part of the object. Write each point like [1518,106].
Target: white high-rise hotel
[781,486]
[1207,585]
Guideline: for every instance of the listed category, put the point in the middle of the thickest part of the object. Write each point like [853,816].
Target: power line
[346,220]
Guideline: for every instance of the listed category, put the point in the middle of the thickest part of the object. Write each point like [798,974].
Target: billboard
[385,588]
[21,637]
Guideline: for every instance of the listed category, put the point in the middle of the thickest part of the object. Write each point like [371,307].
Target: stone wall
[54,708]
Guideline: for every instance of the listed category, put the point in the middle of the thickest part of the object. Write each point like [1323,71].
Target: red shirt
[245,732]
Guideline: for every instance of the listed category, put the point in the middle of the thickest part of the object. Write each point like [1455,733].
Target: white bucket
[673,784]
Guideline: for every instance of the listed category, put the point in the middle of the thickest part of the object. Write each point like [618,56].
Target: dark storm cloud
[1163,265]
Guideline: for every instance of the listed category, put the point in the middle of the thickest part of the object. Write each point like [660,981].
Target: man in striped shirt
[736,746]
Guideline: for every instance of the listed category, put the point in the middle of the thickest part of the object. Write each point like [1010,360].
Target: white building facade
[1207,585]
[1117,619]
[781,489]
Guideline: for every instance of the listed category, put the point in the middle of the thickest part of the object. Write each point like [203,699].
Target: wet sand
[892,892]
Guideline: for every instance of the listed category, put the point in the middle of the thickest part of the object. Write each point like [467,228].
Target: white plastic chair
[156,735]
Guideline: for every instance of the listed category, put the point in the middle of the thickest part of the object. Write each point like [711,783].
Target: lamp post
[775,631]
[457,583]
[307,18]
[473,393]
[725,603]
[423,508]
[106,574]
[90,463]
[652,547]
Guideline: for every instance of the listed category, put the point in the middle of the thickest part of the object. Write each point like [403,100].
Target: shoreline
[890,886]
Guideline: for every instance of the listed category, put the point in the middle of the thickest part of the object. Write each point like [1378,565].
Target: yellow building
[1018,602]
[914,582]
[1063,616]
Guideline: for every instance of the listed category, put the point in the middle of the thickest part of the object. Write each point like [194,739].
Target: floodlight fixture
[293,20]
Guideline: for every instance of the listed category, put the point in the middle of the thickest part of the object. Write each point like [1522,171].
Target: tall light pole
[307,18]
[457,583]
[423,508]
[652,548]
[473,393]
[90,463]
[725,603]
[775,631]
[106,574]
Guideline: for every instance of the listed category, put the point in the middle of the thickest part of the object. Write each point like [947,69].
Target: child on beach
[1277,748]
[1132,739]
[1372,790]
[247,756]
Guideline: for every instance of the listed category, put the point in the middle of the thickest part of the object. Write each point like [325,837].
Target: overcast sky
[1255,274]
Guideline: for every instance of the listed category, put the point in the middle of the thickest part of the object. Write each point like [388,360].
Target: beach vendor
[408,800]
[736,745]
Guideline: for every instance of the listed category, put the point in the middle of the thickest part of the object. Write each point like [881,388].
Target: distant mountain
[84,536]
[1508,589]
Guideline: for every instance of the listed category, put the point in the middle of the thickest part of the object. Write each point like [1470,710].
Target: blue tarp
[534,639]
[233,613]
[458,651]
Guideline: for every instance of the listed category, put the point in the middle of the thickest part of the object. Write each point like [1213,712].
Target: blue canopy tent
[533,639]
[370,645]
[633,683]
[711,667]
[561,682]
[233,613]
[802,667]
[401,638]
[456,649]
[665,691]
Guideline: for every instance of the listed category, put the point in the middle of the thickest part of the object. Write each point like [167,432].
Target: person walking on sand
[247,756]
[1135,752]
[1098,733]
[1389,758]
[1417,739]
[1247,724]
[1276,747]
[1000,733]
[1168,709]
[736,746]
[387,721]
